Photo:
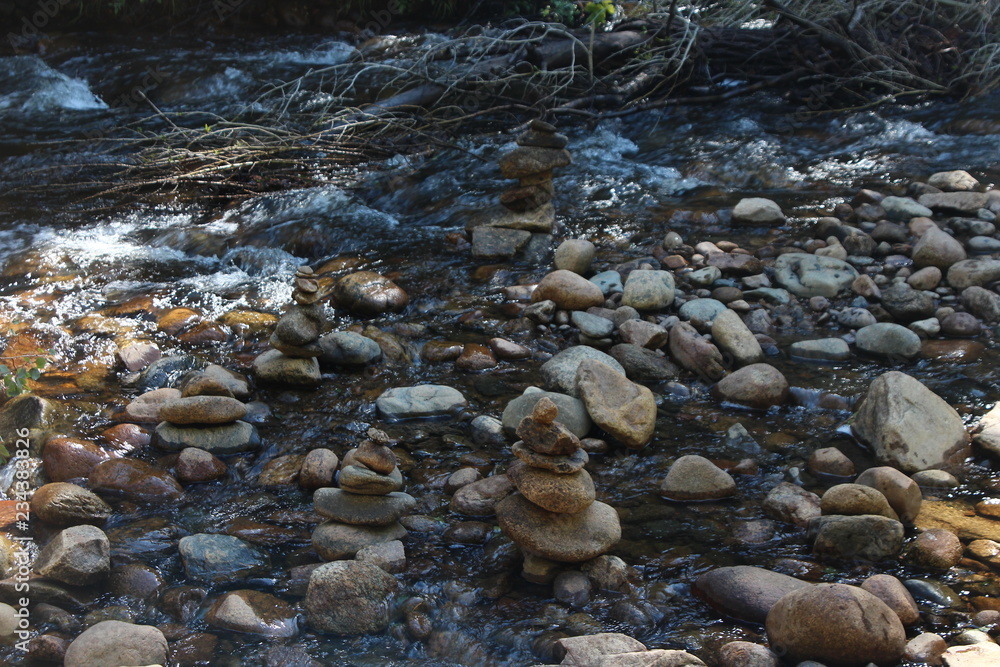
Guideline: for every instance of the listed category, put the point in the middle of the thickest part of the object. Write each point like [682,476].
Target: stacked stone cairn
[526,216]
[206,416]
[295,339]
[365,510]
[553,515]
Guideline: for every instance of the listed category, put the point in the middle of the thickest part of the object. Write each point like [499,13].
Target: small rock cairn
[366,509]
[206,416]
[553,514]
[295,339]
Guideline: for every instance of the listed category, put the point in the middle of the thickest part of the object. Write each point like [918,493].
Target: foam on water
[31,86]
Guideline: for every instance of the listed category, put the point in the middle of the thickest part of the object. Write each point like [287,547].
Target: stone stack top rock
[295,340]
[306,289]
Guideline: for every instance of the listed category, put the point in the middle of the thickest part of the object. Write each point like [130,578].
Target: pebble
[694,477]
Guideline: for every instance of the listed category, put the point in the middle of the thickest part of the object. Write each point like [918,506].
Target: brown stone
[757,386]
[529,160]
[571,538]
[63,504]
[136,480]
[72,458]
[624,409]
[936,548]
[318,469]
[542,434]
[475,357]
[197,465]
[562,465]
[203,410]
[375,456]
[893,593]
[902,493]
[176,320]
[564,493]
[368,293]
[856,499]
[568,290]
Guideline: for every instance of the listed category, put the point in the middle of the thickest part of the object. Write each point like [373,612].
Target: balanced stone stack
[526,216]
[295,339]
[366,509]
[207,418]
[553,514]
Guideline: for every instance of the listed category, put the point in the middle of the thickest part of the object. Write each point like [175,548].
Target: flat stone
[983,654]
[335,541]
[869,537]
[253,612]
[220,440]
[116,643]
[78,555]
[792,504]
[570,538]
[145,408]
[744,592]
[823,349]
[807,275]
[562,465]
[642,365]
[904,208]
[757,386]
[855,499]
[498,242]
[564,493]
[694,477]
[481,498]
[962,203]
[135,480]
[959,518]
[221,559]
[64,504]
[426,400]
[362,510]
[360,480]
[276,368]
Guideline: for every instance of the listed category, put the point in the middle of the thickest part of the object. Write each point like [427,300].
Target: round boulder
[349,597]
[114,643]
[756,386]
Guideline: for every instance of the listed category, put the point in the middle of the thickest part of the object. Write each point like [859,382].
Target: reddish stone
[125,438]
[475,357]
[178,319]
[136,480]
[69,458]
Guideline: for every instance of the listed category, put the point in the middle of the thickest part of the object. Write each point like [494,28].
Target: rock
[146,407]
[609,282]
[572,412]
[562,465]
[926,648]
[648,290]
[569,538]
[135,480]
[909,426]
[643,334]
[336,541]
[855,318]
[390,556]
[426,400]
[937,549]
[935,479]
[937,248]
[810,275]
[592,326]
[961,325]
[220,559]
[70,458]
[79,555]
[625,410]
[757,386]
[973,272]
[594,649]
[831,461]
[275,368]
[961,203]
[167,371]
[642,365]
[855,499]
[508,350]
[475,357]
[901,492]
[747,654]
[482,497]
[362,510]
[733,337]
[137,356]
[758,211]
[560,372]
[568,290]
[904,208]
[694,477]
[253,612]
[694,353]
[735,264]
[823,349]
[926,278]
[953,181]
[348,349]
[574,255]
[215,380]
[197,465]
[866,536]
[114,643]
[893,593]
[369,294]
[221,440]
[701,311]
[982,303]
[907,304]
[886,339]
[349,598]
[555,492]
[318,468]
[792,504]
[744,592]
[63,504]
[525,161]
[836,624]
[362,481]
[490,242]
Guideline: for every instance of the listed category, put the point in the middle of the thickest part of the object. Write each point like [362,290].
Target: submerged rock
[368,293]
[427,400]
[349,598]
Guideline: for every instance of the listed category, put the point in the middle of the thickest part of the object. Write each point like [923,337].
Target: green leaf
[40,363]
[34,374]
[4,371]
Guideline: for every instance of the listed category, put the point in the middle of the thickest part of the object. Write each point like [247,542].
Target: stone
[369,294]
[592,650]
[574,255]
[904,208]
[926,648]
[744,592]
[362,510]
[961,203]
[623,409]
[926,278]
[481,498]
[609,282]
[695,353]
[953,181]
[540,433]
[901,492]
[508,350]
[936,549]
[648,290]
[893,593]
[298,327]
[907,304]
[747,654]
[961,325]
[346,348]
[275,368]
[79,555]
[64,504]
[539,221]
[555,492]
[792,504]
[608,573]
[732,337]
[362,481]
[490,242]
[973,272]
[220,559]
[701,311]
[562,465]
[570,538]
[982,303]
[349,598]
[115,643]
[959,518]
[475,357]
[935,479]
[735,264]
[937,248]
[866,536]
[822,349]
[526,161]
[336,541]
[390,556]
[835,624]
[197,465]
[855,499]
[426,400]
[221,439]
[253,612]
[318,468]
[909,426]
[167,371]
[138,355]
[145,408]
[374,454]
[984,654]
[855,318]
[807,275]
[560,372]
[758,211]
[694,477]
[886,339]
[572,412]
[592,326]
[643,334]
[135,480]
[568,290]
[64,459]
[642,365]
[757,386]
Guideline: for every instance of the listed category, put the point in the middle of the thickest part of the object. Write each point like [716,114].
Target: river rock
[695,353]
[215,380]
[823,349]
[349,598]
[886,339]
[594,649]
[562,465]
[901,492]
[909,426]
[79,555]
[982,654]
[973,272]
[574,255]
[253,612]
[63,504]
[348,348]
[642,365]
[489,242]
[560,372]
[854,499]
[592,326]
[835,624]
[362,510]
[361,480]
[961,203]
[115,643]
[609,282]
[865,536]
[276,368]
[335,541]
[426,400]
[907,304]
[757,386]
[758,211]
[937,248]
[555,492]
[625,410]
[221,440]
[694,477]
[792,504]
[526,161]
[904,208]
[961,325]
[807,275]
[893,593]
[197,465]
[648,290]
[135,480]
[567,538]
[982,303]
[572,412]
[953,181]
[747,654]
[70,458]
[744,592]
[206,410]
[220,559]
[733,337]
[145,408]
[568,290]
[831,461]
[988,431]
[369,294]
[936,549]
[642,333]
[926,278]
[701,311]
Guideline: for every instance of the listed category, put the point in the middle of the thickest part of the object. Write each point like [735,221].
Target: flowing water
[63,260]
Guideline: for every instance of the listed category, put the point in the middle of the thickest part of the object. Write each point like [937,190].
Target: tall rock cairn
[295,339]
[553,514]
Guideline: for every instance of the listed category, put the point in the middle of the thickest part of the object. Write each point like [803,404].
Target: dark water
[632,180]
